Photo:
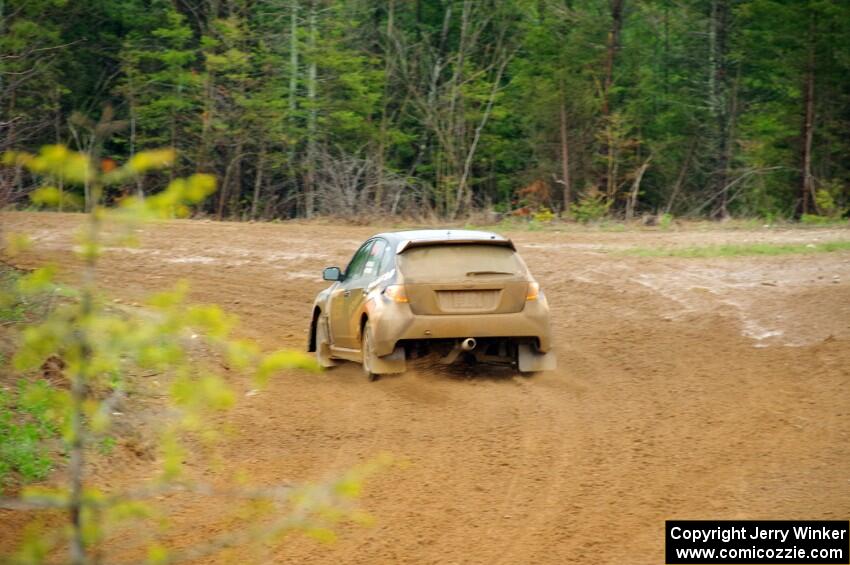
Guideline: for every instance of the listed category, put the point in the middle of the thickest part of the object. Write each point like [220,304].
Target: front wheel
[367,354]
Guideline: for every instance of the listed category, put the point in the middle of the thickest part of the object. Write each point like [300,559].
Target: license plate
[468,299]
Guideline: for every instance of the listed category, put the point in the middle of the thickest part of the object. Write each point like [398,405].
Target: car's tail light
[533,291]
[396,293]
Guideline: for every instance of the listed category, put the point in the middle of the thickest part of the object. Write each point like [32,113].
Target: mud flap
[389,364]
[530,361]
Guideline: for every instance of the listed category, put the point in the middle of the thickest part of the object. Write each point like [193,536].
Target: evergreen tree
[303,107]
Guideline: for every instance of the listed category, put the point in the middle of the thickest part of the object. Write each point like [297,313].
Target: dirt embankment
[712,388]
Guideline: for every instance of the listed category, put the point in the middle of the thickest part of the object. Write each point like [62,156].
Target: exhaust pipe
[468,344]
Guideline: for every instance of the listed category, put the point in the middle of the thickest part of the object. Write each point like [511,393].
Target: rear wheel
[367,353]
[323,346]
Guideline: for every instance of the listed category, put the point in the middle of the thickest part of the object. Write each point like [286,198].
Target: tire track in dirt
[660,409]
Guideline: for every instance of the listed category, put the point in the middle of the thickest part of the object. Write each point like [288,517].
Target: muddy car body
[458,293]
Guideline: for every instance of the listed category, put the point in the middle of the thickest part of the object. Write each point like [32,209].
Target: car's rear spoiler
[412,243]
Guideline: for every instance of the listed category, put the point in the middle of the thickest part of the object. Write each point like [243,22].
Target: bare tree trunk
[680,179]
[226,192]
[5,144]
[204,164]
[293,59]
[730,123]
[310,179]
[612,46]
[2,32]
[258,181]
[131,102]
[293,98]
[382,138]
[79,387]
[88,191]
[458,110]
[431,116]
[9,178]
[807,188]
[76,464]
[712,58]
[633,197]
[610,161]
[718,101]
[470,155]
[565,156]
[222,196]
[234,208]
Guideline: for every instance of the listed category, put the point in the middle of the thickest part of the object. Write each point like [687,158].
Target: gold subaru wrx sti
[460,294]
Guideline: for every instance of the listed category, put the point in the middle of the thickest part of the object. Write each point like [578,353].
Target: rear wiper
[471,273]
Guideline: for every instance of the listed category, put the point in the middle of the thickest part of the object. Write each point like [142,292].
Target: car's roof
[414,238]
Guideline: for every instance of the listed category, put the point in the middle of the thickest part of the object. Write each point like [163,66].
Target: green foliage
[814,219]
[21,298]
[100,347]
[544,215]
[106,445]
[770,218]
[27,419]
[826,200]
[12,308]
[257,92]
[592,207]
[665,221]
[743,250]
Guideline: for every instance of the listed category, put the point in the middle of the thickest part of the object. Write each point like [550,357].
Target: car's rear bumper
[392,322]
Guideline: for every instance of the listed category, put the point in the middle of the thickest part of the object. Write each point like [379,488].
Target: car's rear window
[437,263]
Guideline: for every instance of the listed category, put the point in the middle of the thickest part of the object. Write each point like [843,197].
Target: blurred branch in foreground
[100,346]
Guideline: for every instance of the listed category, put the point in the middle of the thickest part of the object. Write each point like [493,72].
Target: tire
[323,355]
[366,353]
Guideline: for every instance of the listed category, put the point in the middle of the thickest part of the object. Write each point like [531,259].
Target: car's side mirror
[332,274]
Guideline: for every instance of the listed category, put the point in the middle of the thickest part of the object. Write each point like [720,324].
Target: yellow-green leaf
[153,159]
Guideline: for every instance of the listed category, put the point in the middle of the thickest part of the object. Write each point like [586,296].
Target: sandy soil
[686,388]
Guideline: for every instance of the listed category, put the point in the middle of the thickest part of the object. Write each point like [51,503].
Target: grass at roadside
[665,224]
[26,424]
[741,250]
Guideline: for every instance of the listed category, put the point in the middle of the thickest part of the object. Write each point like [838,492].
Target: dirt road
[687,388]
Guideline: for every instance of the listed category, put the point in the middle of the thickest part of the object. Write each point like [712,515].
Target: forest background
[442,108]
